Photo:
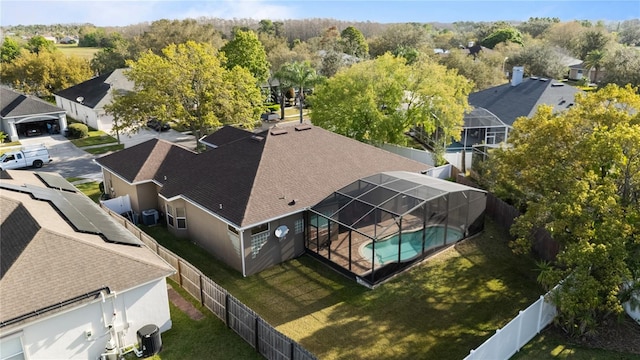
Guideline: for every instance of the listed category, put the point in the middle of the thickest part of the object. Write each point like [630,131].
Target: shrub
[273,107]
[78,131]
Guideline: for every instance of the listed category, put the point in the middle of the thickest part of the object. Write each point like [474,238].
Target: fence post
[255,335]
[540,313]
[201,290]
[518,344]
[226,309]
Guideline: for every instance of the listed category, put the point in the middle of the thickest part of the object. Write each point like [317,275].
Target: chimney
[516,75]
[470,44]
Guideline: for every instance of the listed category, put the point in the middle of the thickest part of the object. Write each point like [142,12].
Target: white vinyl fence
[519,331]
[422,156]
[441,172]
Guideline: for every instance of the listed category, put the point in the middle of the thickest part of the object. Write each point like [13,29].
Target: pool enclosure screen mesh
[381,224]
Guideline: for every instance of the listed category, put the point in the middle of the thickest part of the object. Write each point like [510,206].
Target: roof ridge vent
[534,78]
[302,127]
[257,138]
[544,79]
[557,84]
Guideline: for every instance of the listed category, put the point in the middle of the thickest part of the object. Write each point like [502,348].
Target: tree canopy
[354,43]
[189,85]
[44,73]
[378,101]
[300,75]
[246,50]
[577,175]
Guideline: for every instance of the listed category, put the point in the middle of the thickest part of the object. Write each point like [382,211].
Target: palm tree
[300,75]
[594,60]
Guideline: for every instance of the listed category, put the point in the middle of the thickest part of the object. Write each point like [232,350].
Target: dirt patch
[183,304]
[620,336]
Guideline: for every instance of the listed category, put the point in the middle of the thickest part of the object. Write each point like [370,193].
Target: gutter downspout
[244,266]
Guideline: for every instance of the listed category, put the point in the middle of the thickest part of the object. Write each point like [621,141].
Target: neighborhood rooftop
[249,177]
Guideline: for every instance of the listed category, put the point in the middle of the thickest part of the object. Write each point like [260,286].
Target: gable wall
[274,251]
[114,186]
[63,335]
[79,112]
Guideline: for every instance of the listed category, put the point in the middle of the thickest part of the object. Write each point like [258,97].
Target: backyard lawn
[197,339]
[440,309]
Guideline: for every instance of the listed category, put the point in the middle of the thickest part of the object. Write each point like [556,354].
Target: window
[170,215]
[11,348]
[181,218]
[259,229]
[299,226]
[176,217]
[259,237]
[257,242]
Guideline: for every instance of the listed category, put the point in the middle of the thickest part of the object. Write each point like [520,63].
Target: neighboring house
[85,102]
[68,40]
[20,113]
[578,72]
[495,110]
[233,197]
[73,280]
[51,38]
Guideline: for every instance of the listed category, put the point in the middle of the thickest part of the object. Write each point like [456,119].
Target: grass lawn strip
[440,309]
[208,338]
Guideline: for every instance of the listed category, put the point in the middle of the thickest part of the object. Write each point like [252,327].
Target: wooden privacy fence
[263,337]
[504,215]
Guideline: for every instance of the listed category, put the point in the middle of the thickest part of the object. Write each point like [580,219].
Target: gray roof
[14,104]
[510,102]
[95,92]
[250,178]
[45,261]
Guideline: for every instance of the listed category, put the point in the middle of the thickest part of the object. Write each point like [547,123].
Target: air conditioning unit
[150,217]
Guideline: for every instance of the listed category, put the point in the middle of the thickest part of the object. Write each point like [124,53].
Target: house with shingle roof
[85,102]
[233,197]
[18,111]
[494,110]
[72,279]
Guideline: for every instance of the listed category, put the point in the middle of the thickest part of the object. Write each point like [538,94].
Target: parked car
[33,131]
[25,157]
[158,125]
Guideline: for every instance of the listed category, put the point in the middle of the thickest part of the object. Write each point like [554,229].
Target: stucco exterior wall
[211,234]
[147,195]
[79,112]
[115,187]
[65,335]
[274,250]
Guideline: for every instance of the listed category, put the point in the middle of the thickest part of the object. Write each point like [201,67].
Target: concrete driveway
[71,161]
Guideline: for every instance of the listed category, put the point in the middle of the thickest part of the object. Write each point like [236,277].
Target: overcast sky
[121,13]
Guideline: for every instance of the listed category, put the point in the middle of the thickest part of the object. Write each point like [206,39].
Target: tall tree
[507,34]
[378,101]
[622,67]
[10,50]
[189,85]
[577,175]
[164,32]
[594,60]
[44,73]
[354,43]
[594,39]
[246,50]
[110,58]
[300,75]
[38,43]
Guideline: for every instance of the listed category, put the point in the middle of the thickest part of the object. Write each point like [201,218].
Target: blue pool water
[387,249]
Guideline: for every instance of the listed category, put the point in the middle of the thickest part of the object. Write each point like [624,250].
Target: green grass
[97,137]
[104,149]
[197,339]
[440,309]
[74,49]
[90,189]
[550,345]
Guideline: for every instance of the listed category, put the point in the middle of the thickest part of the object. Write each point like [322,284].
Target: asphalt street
[71,161]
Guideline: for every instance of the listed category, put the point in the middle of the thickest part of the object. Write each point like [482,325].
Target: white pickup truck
[18,158]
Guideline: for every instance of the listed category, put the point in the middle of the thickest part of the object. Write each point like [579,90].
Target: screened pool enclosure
[377,226]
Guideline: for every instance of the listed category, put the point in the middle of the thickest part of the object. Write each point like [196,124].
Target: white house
[74,283]
[85,102]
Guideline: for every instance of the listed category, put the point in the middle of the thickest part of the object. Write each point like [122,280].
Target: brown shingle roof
[251,178]
[45,261]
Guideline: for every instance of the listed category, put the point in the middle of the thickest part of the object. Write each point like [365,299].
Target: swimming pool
[387,249]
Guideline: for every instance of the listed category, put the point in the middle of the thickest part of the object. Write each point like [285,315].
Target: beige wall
[274,251]
[210,233]
[114,186]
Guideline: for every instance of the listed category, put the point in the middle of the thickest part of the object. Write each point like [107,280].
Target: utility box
[149,340]
[150,217]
